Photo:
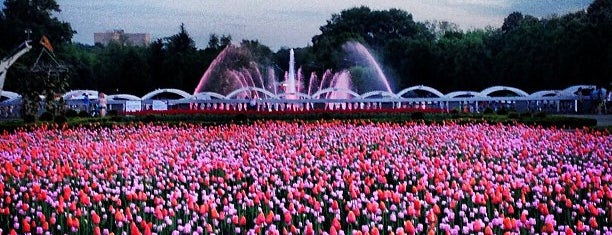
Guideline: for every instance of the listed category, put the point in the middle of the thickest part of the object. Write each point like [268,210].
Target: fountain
[356,52]
[290,85]
[235,68]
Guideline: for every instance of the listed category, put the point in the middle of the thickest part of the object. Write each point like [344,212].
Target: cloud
[278,23]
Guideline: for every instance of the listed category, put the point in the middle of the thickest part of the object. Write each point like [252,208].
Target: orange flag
[46,43]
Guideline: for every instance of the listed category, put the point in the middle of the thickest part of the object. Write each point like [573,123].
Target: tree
[36,16]
[21,20]
[180,42]
[512,21]
[182,67]
[373,28]
[226,40]
[213,41]
[441,28]
[600,11]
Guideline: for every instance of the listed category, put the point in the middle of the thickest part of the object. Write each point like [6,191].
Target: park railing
[561,105]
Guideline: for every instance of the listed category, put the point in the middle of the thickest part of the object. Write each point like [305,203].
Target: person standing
[102,106]
[608,101]
[86,102]
[580,105]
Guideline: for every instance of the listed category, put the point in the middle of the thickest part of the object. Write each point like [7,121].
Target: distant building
[134,39]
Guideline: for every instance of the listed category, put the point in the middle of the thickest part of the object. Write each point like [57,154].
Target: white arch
[10,94]
[250,88]
[455,94]
[334,89]
[375,93]
[78,94]
[420,87]
[299,94]
[168,90]
[519,92]
[208,95]
[572,89]
[12,97]
[123,96]
[544,93]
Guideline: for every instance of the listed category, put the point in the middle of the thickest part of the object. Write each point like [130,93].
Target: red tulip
[351,218]
[287,217]
[269,217]
[488,231]
[593,222]
[260,219]
[580,226]
[548,227]
[409,227]
[242,220]
[25,226]
[95,218]
[309,229]
[119,216]
[214,214]
[332,230]
[336,224]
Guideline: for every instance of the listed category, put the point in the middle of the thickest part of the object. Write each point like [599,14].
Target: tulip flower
[299,177]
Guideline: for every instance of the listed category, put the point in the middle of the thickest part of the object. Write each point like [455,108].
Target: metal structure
[551,101]
[10,60]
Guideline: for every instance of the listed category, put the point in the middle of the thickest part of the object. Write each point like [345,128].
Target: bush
[540,115]
[71,113]
[488,111]
[60,119]
[565,122]
[113,113]
[513,115]
[116,118]
[241,117]
[525,115]
[149,118]
[46,117]
[417,116]
[28,118]
[83,114]
[502,111]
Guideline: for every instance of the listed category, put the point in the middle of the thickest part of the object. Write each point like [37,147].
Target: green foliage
[539,115]
[113,113]
[150,118]
[417,116]
[513,115]
[502,111]
[60,119]
[71,113]
[29,118]
[525,115]
[46,117]
[84,114]
[116,118]
[37,16]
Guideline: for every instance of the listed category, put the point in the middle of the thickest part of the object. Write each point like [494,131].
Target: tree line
[526,52]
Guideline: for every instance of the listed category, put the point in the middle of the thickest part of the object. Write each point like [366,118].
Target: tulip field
[320,177]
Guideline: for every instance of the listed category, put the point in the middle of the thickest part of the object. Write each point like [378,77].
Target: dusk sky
[279,23]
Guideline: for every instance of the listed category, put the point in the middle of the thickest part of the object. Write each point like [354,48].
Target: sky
[279,23]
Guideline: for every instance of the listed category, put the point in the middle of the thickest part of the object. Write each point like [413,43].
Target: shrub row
[537,119]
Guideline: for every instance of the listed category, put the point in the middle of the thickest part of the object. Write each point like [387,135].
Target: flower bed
[326,177]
